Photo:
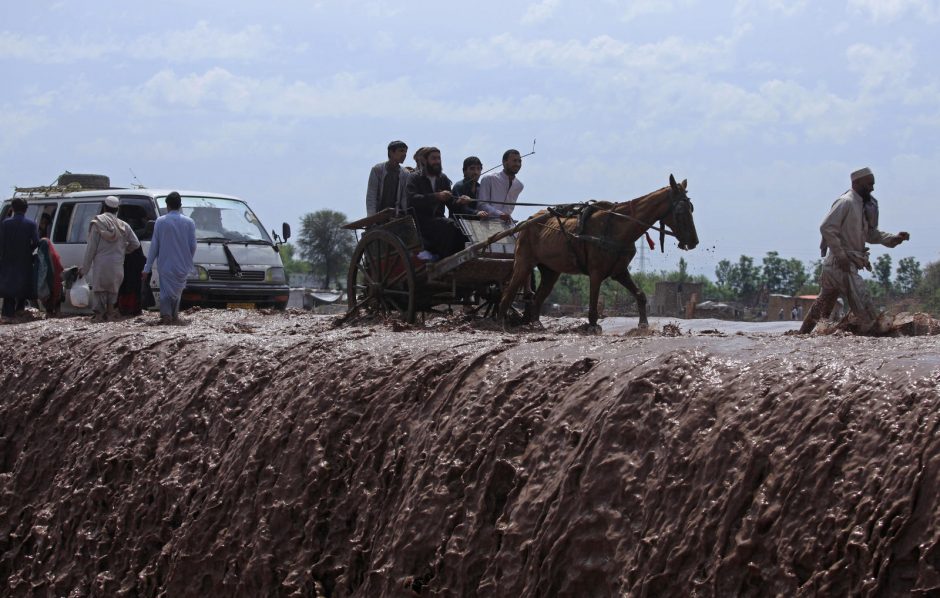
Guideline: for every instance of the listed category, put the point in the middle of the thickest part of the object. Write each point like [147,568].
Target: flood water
[250,454]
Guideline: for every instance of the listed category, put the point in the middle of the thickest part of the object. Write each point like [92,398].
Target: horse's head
[679,216]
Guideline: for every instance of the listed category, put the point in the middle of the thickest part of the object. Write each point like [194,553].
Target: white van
[237,264]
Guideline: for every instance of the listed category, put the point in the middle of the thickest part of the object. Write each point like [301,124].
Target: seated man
[499,191]
[427,192]
[466,192]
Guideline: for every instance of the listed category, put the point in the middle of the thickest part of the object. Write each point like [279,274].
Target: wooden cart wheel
[381,277]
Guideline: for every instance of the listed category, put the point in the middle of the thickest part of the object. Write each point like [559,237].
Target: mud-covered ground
[249,454]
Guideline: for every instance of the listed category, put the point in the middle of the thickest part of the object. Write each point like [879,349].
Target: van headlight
[275,275]
[198,273]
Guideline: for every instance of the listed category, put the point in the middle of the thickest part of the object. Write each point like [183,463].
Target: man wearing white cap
[109,240]
[852,221]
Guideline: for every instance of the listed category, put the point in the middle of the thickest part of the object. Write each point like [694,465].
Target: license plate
[240,305]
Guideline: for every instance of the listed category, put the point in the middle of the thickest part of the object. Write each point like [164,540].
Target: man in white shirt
[499,191]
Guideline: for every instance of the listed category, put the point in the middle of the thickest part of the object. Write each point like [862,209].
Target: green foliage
[882,272]
[909,275]
[291,264]
[929,289]
[783,276]
[327,247]
[741,280]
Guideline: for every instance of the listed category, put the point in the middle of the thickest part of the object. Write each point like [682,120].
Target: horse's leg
[521,271]
[595,284]
[549,278]
[626,280]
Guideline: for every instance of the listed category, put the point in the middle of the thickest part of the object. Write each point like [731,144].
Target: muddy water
[247,455]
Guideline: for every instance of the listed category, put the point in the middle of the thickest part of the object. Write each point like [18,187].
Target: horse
[602,247]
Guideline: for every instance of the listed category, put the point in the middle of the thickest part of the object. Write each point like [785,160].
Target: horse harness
[583,212]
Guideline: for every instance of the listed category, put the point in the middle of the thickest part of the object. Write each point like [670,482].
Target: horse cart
[386,276]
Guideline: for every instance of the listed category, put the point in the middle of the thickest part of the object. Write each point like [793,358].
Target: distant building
[676,299]
[777,303]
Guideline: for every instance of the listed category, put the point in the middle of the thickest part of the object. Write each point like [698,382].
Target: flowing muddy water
[273,455]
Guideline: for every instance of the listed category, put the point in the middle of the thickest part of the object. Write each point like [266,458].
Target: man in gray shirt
[387,181]
[852,221]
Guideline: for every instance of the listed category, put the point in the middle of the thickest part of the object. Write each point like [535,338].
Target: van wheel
[87,181]
[280,306]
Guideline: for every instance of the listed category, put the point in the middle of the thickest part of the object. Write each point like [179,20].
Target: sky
[765,106]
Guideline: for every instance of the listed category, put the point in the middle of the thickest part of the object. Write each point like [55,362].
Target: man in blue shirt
[172,250]
[19,236]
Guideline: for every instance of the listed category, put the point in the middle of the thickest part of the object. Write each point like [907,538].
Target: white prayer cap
[863,172]
[112,201]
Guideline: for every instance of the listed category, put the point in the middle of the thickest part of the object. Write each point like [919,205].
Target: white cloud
[342,95]
[889,10]
[669,54]
[41,49]
[787,8]
[202,42]
[18,125]
[883,67]
[629,10]
[540,11]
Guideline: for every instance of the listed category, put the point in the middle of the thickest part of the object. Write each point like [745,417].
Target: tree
[908,276]
[783,276]
[882,272]
[683,270]
[291,264]
[723,274]
[744,279]
[929,289]
[326,245]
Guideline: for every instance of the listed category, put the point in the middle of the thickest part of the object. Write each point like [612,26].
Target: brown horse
[602,249]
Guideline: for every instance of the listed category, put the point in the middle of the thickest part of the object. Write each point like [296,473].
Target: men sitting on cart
[499,191]
[426,194]
[466,192]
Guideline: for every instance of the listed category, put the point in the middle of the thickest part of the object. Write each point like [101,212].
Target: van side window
[137,212]
[42,214]
[81,220]
[61,231]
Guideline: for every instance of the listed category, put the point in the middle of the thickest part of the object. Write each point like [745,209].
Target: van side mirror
[285,231]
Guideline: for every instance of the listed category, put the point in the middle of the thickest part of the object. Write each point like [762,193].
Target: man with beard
[852,221]
[428,191]
[500,191]
[387,180]
[109,240]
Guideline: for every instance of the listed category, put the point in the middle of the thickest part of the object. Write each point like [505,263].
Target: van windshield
[221,219]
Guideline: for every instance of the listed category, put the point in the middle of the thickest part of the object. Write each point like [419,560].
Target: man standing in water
[172,250]
[500,191]
[852,221]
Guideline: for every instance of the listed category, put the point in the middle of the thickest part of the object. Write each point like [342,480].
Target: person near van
[386,188]
[19,236]
[49,277]
[109,240]
[172,250]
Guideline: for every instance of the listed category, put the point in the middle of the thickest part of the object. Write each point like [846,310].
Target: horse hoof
[643,325]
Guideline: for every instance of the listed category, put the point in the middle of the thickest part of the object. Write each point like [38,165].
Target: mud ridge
[277,455]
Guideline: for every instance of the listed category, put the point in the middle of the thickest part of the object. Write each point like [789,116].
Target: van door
[70,234]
